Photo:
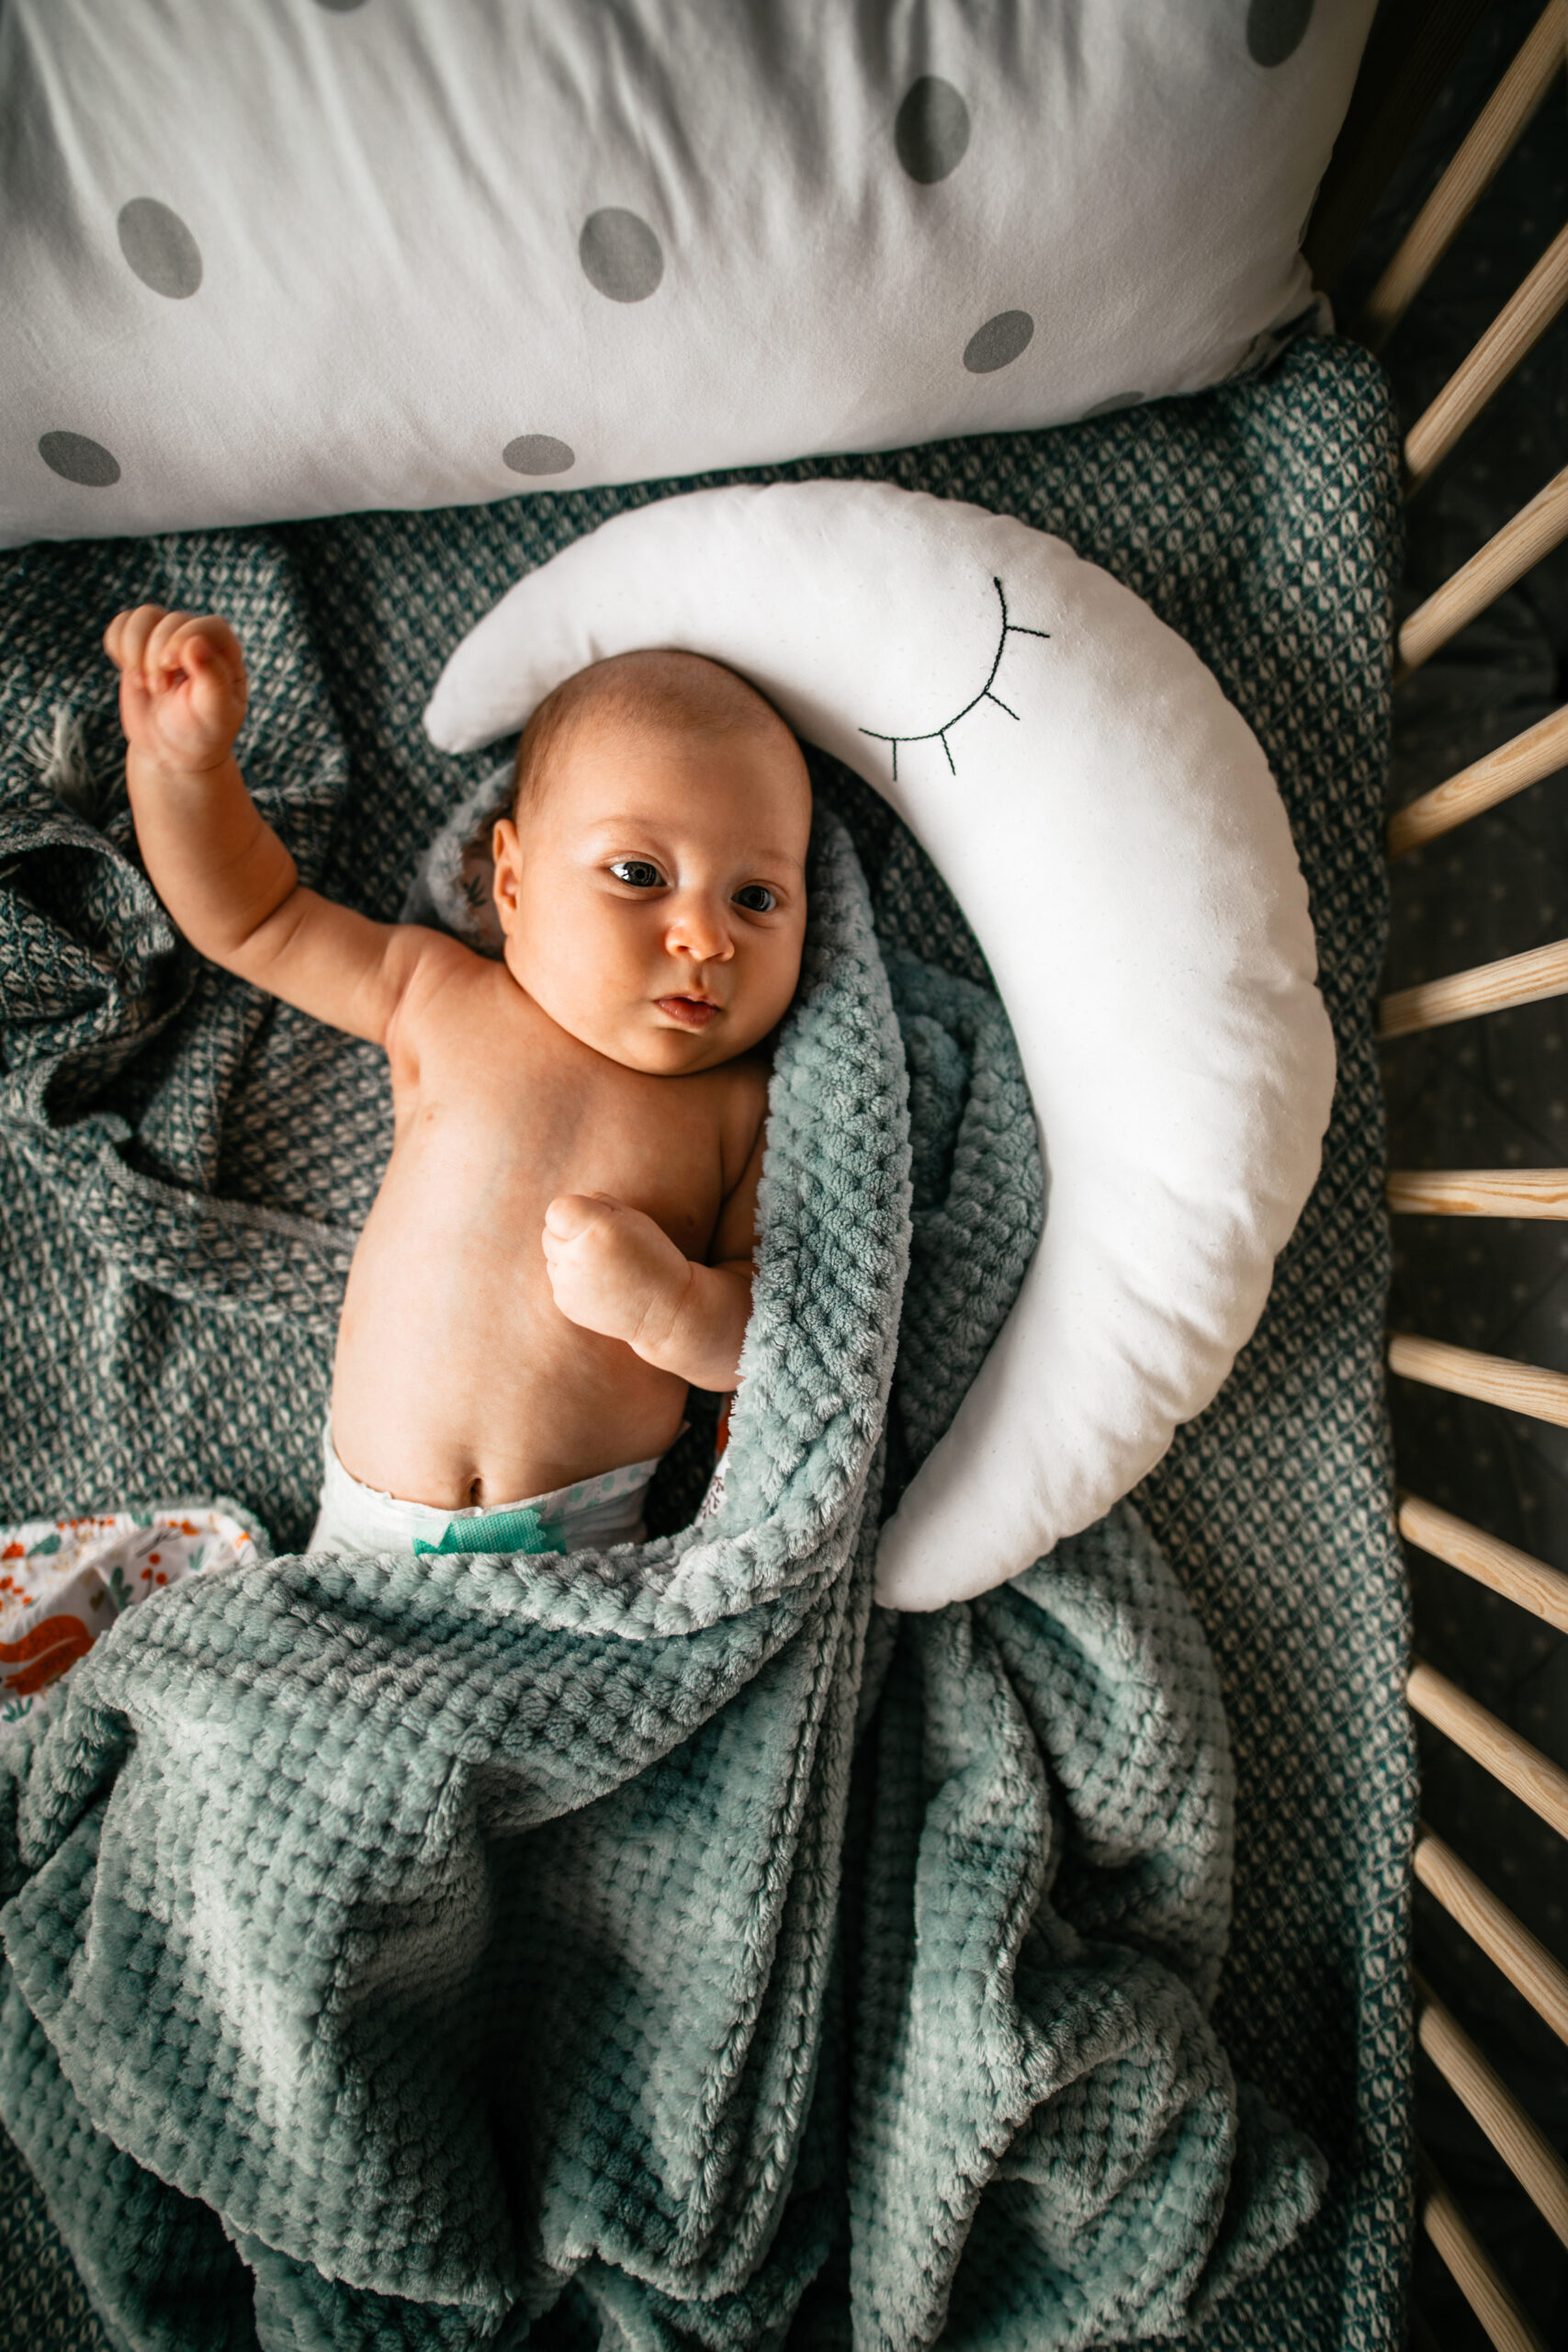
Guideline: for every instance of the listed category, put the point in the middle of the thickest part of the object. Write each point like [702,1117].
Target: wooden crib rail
[1505,2323]
[1492,1928]
[1490,141]
[1527,535]
[1518,1576]
[1528,2152]
[1491,1380]
[1539,752]
[1519,324]
[1538,973]
[1535,1193]
[1522,1769]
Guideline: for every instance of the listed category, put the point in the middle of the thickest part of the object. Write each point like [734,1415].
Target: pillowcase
[303,256]
[1108,823]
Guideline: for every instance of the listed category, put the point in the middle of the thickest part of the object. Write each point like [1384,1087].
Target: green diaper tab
[498,1531]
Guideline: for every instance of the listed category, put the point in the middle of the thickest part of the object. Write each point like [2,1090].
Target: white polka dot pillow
[1108,822]
[297,257]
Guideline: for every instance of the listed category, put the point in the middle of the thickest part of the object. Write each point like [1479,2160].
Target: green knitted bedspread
[507,1941]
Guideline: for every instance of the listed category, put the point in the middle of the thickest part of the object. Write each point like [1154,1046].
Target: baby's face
[653,892]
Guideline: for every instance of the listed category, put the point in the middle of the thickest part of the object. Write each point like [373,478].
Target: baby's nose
[700,930]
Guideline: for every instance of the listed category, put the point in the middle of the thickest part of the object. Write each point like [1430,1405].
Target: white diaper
[588,1516]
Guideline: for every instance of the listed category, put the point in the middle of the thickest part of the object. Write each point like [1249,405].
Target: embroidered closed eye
[939,734]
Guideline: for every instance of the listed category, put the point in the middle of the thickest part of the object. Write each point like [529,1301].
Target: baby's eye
[636,873]
[757,898]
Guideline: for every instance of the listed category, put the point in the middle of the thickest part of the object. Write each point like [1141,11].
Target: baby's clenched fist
[613,1270]
[182,685]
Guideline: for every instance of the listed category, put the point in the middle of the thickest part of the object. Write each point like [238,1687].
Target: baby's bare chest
[482,1148]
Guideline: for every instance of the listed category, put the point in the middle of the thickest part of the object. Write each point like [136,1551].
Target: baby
[562,1240]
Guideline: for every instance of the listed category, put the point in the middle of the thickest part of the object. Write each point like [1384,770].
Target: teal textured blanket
[458,1928]
[718,1962]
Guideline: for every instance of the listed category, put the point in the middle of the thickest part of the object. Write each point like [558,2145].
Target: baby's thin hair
[657,685]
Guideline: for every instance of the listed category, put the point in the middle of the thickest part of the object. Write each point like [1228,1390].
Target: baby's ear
[506,854]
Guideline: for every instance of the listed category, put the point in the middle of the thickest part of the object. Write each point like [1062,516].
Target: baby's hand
[182,685]
[612,1269]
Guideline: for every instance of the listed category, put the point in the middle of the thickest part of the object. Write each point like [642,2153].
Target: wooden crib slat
[1478,1192]
[1540,751]
[1507,1943]
[1517,1575]
[1469,2265]
[1523,2146]
[1533,1778]
[1538,973]
[1491,1380]
[1491,139]
[1521,321]
[1527,535]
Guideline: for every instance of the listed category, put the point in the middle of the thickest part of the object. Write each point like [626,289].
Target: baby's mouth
[691,1012]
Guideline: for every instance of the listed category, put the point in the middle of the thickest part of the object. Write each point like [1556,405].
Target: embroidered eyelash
[941,734]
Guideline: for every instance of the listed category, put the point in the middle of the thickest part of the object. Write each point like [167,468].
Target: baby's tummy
[458,1379]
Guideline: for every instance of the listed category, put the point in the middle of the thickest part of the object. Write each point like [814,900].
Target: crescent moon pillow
[1109,824]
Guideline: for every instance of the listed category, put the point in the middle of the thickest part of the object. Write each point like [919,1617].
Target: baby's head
[650,880]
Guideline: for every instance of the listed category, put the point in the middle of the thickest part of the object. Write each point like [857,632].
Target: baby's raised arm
[215,862]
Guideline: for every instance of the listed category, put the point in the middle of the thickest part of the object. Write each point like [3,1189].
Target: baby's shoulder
[447,994]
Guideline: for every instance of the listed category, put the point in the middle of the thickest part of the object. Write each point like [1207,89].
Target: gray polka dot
[1275,28]
[339,7]
[75,459]
[998,341]
[620,255]
[158,247]
[1117,400]
[538,453]
[931,129]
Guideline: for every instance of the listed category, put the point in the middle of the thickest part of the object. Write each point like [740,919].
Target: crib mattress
[1261,521]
